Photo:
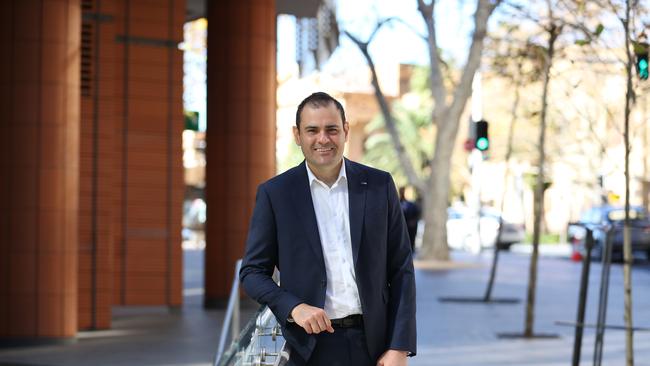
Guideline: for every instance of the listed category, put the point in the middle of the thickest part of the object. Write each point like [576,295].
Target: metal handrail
[232,315]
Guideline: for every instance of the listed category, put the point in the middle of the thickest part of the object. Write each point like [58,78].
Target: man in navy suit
[335,230]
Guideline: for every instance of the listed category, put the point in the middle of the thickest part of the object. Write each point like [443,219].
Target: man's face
[322,136]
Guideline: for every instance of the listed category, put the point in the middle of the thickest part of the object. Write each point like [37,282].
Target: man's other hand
[312,319]
[392,358]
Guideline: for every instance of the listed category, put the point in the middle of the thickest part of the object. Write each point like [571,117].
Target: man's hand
[393,358]
[311,319]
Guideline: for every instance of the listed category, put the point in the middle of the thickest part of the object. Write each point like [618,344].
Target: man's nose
[322,137]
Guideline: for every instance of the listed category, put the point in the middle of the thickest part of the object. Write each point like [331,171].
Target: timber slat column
[148,152]
[97,191]
[39,138]
[241,130]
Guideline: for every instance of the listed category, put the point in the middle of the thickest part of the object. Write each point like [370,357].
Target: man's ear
[296,135]
[346,129]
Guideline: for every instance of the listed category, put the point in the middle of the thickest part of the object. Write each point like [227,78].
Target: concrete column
[241,129]
[39,160]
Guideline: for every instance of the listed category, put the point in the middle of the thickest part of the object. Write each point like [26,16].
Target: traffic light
[641,53]
[482,141]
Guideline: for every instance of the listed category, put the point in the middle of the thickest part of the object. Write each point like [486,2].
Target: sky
[393,44]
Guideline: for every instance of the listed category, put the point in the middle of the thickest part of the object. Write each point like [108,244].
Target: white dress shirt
[331,206]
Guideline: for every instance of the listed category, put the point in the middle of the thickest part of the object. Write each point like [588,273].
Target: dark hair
[316,100]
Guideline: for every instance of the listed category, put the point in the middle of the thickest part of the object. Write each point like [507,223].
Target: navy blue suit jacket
[284,233]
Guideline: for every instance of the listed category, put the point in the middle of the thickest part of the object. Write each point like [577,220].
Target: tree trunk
[435,232]
[627,244]
[511,133]
[538,205]
[446,117]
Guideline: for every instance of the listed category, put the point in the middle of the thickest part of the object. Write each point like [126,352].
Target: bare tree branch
[411,28]
[377,27]
[391,126]
[519,12]
[463,90]
[438,89]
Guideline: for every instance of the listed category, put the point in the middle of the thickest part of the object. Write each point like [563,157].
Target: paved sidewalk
[142,336]
[557,250]
[448,333]
[466,334]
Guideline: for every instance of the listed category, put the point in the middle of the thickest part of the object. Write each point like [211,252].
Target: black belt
[349,321]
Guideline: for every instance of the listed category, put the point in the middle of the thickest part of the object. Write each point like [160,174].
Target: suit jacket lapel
[357,185]
[305,208]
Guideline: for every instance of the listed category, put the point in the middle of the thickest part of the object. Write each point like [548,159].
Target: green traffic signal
[482,144]
[641,49]
[643,68]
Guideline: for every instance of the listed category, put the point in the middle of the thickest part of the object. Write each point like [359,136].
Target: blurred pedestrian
[412,214]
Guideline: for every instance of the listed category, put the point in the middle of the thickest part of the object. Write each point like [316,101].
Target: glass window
[619,214]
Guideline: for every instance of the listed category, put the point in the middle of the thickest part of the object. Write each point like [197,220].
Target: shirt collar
[312,177]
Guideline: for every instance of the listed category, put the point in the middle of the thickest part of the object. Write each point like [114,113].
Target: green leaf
[640,47]
[582,42]
[599,29]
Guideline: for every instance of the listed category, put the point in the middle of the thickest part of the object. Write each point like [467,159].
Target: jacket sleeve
[401,279]
[261,258]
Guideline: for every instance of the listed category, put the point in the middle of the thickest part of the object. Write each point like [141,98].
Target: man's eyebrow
[331,125]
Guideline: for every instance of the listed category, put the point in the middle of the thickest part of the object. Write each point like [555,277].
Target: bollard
[602,302]
[582,298]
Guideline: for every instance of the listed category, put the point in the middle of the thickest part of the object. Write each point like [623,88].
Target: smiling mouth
[322,149]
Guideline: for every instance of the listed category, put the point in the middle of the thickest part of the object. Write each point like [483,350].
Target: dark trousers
[344,347]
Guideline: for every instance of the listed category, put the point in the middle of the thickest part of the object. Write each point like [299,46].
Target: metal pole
[234,323]
[582,298]
[476,162]
[602,303]
[495,261]
[233,306]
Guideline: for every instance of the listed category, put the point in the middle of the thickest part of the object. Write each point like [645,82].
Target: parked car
[463,228]
[602,218]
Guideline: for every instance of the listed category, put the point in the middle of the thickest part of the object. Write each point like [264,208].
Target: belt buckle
[351,321]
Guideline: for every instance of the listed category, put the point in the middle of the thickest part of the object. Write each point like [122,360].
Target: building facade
[92,185]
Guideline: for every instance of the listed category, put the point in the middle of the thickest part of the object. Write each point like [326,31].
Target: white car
[463,228]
